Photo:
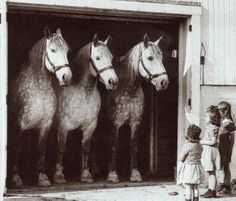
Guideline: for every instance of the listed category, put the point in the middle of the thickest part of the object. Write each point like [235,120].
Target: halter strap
[55,68]
[98,71]
[150,75]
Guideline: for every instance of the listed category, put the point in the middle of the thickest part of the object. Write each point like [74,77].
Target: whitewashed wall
[219,37]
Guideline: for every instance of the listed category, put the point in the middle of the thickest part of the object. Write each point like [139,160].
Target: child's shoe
[225,190]
[209,194]
[196,199]
[220,187]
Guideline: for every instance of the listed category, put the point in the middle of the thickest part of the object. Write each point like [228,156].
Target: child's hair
[193,133]
[226,109]
[214,115]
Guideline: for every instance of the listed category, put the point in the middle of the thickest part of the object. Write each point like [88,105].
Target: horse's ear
[157,41]
[59,32]
[47,32]
[108,40]
[95,40]
[145,40]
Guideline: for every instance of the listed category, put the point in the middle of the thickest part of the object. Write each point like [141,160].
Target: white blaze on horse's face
[151,65]
[56,60]
[101,65]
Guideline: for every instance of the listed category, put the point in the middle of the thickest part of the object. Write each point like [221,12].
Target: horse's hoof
[43,180]
[58,178]
[86,176]
[112,177]
[135,176]
[16,182]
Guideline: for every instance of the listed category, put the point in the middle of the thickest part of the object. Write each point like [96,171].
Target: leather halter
[150,75]
[55,68]
[98,71]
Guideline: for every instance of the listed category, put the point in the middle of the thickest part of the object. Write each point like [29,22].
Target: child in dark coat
[225,146]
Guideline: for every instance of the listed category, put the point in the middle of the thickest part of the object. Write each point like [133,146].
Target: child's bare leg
[227,174]
[195,192]
[211,193]
[188,191]
[225,178]
[222,176]
[212,180]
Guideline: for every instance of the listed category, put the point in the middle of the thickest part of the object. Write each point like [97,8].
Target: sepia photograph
[118,100]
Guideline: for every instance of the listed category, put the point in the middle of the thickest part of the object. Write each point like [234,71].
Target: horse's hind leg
[135,174]
[58,176]
[43,136]
[112,176]
[16,181]
[86,145]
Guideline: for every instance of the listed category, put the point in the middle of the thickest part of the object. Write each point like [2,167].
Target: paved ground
[158,192]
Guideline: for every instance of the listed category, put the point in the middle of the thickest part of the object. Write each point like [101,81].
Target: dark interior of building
[25,28]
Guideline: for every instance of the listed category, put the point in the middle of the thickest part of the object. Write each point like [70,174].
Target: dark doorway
[25,28]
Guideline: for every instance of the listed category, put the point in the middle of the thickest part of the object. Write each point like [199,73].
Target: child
[225,146]
[191,172]
[210,154]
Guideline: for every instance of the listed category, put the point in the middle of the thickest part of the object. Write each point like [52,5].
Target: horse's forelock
[59,42]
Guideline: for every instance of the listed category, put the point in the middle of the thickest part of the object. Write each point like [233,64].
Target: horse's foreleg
[43,136]
[86,145]
[16,181]
[112,176]
[58,176]
[135,174]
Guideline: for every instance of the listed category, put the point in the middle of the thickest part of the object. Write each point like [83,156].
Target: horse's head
[101,63]
[151,66]
[55,56]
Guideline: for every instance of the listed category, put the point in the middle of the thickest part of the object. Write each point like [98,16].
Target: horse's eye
[150,58]
[97,58]
[53,50]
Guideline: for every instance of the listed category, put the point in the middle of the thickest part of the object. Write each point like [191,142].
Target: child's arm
[227,128]
[184,153]
[213,139]
[210,142]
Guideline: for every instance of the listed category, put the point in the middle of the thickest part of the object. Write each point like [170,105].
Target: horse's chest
[125,107]
[38,105]
[77,107]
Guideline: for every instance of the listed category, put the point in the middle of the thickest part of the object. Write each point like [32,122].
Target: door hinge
[189,102]
[190,27]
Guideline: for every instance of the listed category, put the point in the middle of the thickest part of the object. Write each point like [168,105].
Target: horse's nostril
[110,81]
[163,83]
[64,78]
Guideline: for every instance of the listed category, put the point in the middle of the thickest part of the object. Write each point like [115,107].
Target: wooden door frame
[118,9]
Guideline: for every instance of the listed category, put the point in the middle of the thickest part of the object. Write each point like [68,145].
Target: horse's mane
[81,61]
[127,67]
[36,55]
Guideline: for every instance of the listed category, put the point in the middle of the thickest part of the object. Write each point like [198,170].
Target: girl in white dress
[190,170]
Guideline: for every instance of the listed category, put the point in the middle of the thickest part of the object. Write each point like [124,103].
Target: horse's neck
[88,82]
[44,77]
[126,83]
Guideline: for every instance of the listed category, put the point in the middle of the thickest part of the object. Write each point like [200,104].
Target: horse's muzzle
[113,83]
